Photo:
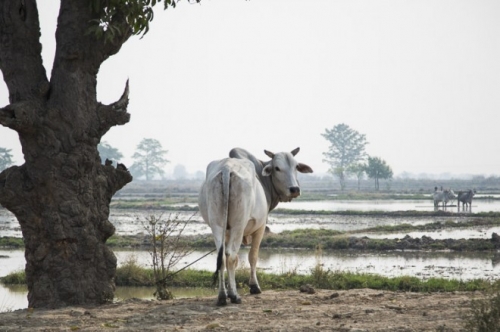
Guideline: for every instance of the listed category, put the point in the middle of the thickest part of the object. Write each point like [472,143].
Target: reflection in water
[425,265]
[13,297]
[450,265]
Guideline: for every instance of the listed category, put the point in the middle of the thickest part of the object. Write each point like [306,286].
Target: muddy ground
[325,310]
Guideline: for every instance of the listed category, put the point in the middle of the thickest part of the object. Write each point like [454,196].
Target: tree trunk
[61,194]
[342,180]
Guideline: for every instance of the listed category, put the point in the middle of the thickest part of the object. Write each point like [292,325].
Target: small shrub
[167,250]
[14,278]
[321,278]
[485,314]
[192,278]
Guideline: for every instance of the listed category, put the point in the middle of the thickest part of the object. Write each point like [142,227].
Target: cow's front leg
[253,256]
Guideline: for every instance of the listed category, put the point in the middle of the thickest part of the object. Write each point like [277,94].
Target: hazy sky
[421,79]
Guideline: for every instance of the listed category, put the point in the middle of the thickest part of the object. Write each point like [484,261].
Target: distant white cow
[465,197]
[442,196]
[235,199]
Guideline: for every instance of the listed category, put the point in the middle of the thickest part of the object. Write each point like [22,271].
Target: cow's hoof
[254,289]
[235,299]
[221,301]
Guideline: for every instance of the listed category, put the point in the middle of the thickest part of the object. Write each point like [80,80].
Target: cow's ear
[295,151]
[269,154]
[303,168]
[267,170]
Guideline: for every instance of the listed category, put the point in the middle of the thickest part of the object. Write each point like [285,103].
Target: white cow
[443,196]
[235,199]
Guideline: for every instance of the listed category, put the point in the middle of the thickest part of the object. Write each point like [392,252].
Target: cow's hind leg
[219,274]
[232,264]
[222,299]
[253,256]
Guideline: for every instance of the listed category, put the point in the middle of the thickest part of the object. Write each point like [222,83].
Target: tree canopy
[5,158]
[149,159]
[106,151]
[347,146]
[111,15]
[180,172]
[377,169]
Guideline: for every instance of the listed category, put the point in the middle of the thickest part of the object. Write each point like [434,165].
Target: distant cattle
[235,200]
[465,197]
[442,196]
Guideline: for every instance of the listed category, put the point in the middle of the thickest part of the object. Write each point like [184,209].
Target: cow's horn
[294,152]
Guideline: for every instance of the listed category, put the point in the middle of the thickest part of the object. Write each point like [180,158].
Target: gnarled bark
[61,194]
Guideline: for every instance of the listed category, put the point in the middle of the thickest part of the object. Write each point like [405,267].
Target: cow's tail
[226,175]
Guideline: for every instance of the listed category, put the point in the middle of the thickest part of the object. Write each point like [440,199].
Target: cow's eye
[277,169]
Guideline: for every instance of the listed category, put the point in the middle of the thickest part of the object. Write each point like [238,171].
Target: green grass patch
[14,278]
[11,242]
[125,241]
[300,238]
[130,274]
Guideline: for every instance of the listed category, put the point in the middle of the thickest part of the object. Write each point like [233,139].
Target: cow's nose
[295,191]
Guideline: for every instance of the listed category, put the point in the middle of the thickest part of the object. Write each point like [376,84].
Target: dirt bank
[326,310]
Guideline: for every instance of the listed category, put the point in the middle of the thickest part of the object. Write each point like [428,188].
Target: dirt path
[326,310]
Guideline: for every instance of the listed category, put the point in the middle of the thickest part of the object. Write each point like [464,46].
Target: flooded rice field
[131,222]
[463,266]
[384,205]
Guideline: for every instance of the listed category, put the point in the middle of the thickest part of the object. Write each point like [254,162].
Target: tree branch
[20,50]
[20,116]
[76,42]
[117,177]
[114,114]
[112,45]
